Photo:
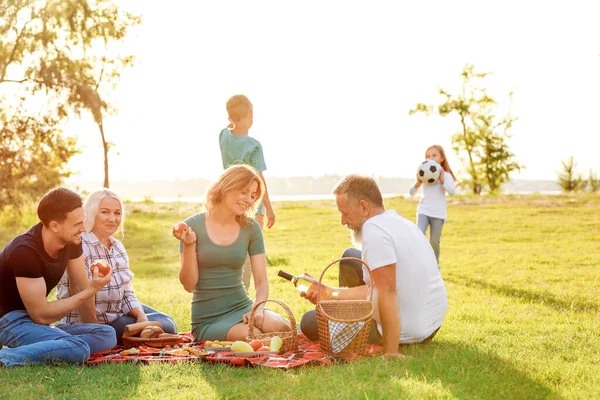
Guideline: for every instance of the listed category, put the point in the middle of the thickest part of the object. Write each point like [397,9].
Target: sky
[332,83]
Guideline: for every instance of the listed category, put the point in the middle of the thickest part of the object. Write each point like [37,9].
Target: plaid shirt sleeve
[129,301]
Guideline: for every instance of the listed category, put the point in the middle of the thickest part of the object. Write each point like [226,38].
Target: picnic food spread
[307,353]
[149,333]
[218,345]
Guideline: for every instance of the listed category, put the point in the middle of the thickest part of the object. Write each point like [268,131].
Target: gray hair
[359,187]
[92,204]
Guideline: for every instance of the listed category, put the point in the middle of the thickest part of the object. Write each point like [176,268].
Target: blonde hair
[236,177]
[445,163]
[359,187]
[238,107]
[92,204]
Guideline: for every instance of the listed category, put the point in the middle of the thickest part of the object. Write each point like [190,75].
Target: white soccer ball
[429,171]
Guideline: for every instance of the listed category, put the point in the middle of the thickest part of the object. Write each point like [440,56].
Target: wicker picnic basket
[346,311]
[136,341]
[289,338]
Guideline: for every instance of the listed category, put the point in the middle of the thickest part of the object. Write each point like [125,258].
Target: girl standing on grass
[431,210]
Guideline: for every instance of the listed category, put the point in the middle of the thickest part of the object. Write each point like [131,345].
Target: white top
[389,238]
[433,201]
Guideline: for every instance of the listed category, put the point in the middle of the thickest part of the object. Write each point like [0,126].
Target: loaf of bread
[136,329]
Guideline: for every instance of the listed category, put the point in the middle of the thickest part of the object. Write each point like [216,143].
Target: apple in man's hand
[103,268]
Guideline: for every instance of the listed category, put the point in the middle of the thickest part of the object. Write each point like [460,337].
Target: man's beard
[356,237]
[71,240]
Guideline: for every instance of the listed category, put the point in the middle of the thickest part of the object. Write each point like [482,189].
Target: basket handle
[345,259]
[255,307]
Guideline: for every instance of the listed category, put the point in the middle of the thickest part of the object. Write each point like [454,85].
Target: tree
[569,179]
[33,155]
[593,181]
[85,95]
[483,137]
[59,48]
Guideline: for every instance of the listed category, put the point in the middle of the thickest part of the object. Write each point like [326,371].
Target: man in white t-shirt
[409,294]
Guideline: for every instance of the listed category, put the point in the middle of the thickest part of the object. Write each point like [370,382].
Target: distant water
[296,197]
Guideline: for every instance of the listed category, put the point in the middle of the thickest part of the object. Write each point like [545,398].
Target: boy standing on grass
[237,147]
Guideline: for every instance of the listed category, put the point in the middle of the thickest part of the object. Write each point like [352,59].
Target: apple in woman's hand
[103,268]
[178,229]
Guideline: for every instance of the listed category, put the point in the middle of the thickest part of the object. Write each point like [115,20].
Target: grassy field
[522,274]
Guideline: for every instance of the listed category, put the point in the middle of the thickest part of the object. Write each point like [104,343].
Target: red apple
[103,268]
[178,229]
[263,348]
[256,344]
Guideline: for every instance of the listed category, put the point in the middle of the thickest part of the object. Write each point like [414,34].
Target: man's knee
[309,326]
[79,350]
[350,272]
[351,252]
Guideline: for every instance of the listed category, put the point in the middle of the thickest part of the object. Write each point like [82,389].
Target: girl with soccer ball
[431,210]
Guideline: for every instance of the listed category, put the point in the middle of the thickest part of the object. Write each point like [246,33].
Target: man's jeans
[26,342]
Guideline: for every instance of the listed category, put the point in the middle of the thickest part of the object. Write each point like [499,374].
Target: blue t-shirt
[244,149]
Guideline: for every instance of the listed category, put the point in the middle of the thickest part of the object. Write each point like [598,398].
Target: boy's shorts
[260,208]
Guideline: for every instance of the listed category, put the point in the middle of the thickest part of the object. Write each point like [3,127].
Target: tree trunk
[105,147]
[474,178]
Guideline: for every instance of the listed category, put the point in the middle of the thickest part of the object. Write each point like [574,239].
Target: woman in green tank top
[213,249]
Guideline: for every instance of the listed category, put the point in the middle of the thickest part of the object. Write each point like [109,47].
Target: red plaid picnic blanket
[308,353]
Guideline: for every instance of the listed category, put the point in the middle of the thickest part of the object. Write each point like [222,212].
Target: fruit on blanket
[276,343]
[217,343]
[241,347]
[263,348]
[178,229]
[103,268]
[256,344]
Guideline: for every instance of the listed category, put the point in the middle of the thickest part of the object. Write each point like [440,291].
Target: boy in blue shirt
[237,147]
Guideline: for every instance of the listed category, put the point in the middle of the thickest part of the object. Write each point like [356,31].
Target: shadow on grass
[71,381]
[468,372]
[528,296]
[436,370]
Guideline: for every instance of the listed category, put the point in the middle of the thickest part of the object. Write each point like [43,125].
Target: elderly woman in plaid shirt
[116,304]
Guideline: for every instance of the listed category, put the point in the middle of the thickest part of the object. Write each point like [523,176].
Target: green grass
[522,274]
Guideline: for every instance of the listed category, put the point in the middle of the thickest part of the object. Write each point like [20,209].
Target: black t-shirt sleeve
[25,263]
[75,251]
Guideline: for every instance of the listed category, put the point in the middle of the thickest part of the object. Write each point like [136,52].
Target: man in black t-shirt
[31,265]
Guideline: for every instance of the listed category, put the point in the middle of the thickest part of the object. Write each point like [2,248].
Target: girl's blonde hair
[236,177]
[445,163]
[92,204]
